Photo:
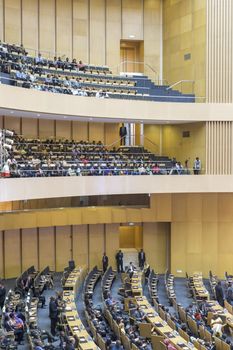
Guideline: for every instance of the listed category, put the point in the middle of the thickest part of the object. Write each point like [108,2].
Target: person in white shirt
[197,166]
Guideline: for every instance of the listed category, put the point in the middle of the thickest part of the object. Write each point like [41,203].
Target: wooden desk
[74,322]
[161,326]
[217,309]
[199,288]
[136,283]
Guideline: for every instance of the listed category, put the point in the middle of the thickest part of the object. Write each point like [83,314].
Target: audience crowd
[59,76]
[36,158]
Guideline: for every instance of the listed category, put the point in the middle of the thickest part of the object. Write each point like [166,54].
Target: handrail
[155,72]
[153,143]
[180,82]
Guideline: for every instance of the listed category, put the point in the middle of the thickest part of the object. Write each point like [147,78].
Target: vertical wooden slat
[219,35]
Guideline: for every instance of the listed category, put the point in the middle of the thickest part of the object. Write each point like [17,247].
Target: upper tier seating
[76,78]
[30,158]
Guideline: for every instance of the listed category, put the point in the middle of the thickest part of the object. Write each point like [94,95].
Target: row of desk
[160,326]
[199,287]
[71,315]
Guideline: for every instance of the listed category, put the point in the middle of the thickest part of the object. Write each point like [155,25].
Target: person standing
[141,259]
[2,295]
[53,314]
[105,262]
[119,261]
[219,293]
[123,133]
[197,166]
[229,294]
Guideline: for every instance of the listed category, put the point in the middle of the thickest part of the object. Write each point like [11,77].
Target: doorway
[130,242]
[132,56]
[130,237]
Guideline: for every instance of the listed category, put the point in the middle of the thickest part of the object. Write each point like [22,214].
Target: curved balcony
[55,187]
[31,103]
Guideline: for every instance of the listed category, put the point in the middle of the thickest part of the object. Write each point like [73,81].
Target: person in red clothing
[169,344]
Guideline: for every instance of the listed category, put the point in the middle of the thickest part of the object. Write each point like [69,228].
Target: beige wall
[201,233]
[156,238]
[168,140]
[90,30]
[184,32]
[107,133]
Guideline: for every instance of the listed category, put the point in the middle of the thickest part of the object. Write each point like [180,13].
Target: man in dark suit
[141,259]
[119,261]
[53,314]
[219,293]
[123,133]
[105,262]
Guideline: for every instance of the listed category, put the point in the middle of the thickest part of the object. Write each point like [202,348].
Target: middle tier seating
[38,158]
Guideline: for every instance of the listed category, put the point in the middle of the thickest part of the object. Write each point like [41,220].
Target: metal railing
[74,171]
[139,67]
[181,82]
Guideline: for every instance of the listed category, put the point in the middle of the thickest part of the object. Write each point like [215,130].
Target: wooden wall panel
[96,244]
[30,128]
[1,256]
[219,142]
[112,242]
[1,121]
[47,27]
[219,66]
[97,32]
[12,253]
[81,30]
[96,132]
[210,248]
[80,131]
[63,247]
[155,240]
[46,248]
[80,244]
[132,19]
[13,21]
[64,28]
[13,123]
[29,248]
[89,30]
[2,29]
[63,129]
[184,32]
[111,134]
[46,128]
[178,249]
[30,25]
[153,37]
[113,34]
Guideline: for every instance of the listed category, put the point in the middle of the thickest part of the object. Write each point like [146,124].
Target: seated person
[169,345]
[130,270]
[216,325]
